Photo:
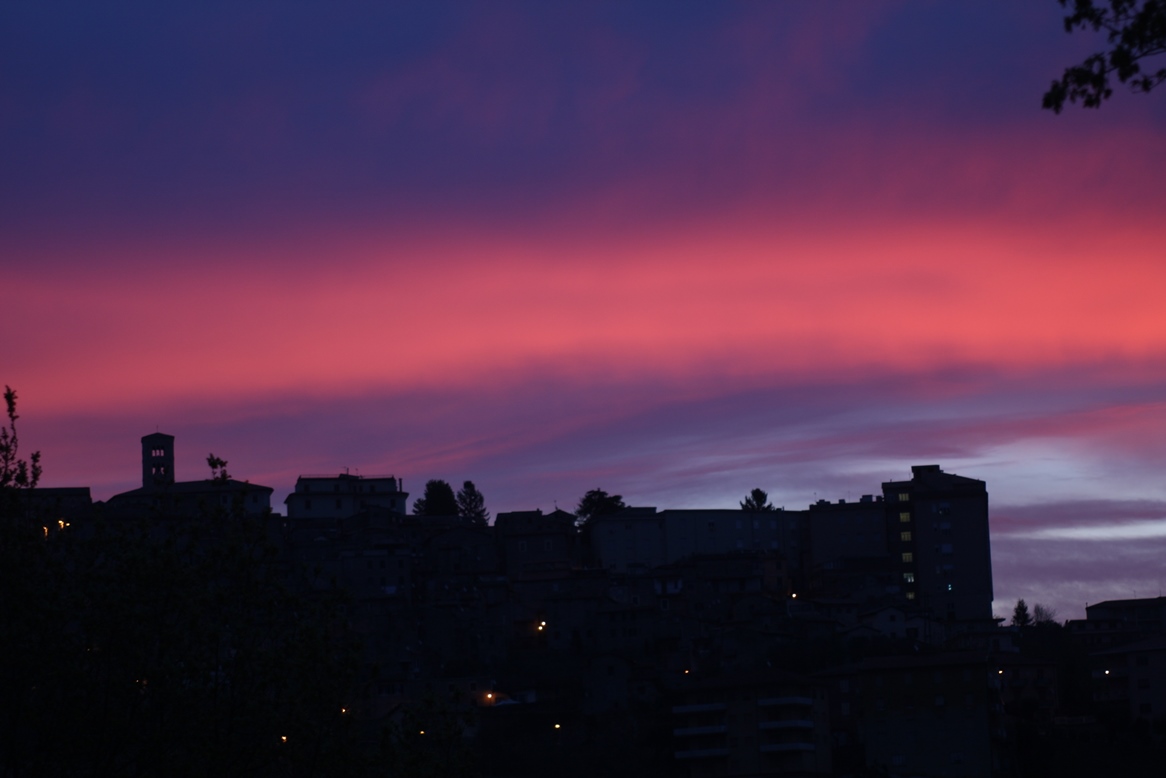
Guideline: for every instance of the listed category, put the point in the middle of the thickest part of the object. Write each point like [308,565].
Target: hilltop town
[848,638]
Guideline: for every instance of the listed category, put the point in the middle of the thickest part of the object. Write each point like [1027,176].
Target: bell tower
[157,460]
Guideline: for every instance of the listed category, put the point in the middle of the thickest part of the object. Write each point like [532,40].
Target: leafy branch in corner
[1135,31]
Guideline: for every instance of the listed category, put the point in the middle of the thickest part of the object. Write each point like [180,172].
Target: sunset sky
[673,250]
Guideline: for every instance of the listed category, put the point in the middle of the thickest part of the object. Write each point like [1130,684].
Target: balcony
[774,701]
[712,729]
[787,724]
[772,748]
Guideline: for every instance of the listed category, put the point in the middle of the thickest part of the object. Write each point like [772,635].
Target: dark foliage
[1135,31]
[598,503]
[218,468]
[757,500]
[15,473]
[438,500]
[1020,616]
[472,505]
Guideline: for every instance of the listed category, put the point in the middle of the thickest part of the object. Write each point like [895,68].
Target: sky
[673,250]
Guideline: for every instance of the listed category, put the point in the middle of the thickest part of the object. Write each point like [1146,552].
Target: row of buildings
[845,637]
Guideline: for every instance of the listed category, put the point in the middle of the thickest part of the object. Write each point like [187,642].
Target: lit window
[904,496]
[908,557]
[949,587]
[909,577]
[910,595]
[904,536]
[904,517]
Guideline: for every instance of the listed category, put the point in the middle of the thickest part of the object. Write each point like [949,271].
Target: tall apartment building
[937,530]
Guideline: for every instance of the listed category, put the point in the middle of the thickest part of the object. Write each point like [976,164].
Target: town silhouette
[184,628]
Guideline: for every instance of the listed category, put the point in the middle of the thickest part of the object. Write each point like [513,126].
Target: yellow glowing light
[542,623]
[794,595]
[283,738]
[1107,672]
[344,710]
[422,732]
[557,726]
[686,672]
[489,695]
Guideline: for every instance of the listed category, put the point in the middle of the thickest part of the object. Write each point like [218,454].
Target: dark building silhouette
[157,460]
[162,496]
[343,495]
[937,527]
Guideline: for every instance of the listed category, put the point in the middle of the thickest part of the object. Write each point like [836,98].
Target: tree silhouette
[15,473]
[438,500]
[1135,31]
[1020,617]
[598,503]
[757,500]
[472,505]
[218,469]
[1042,614]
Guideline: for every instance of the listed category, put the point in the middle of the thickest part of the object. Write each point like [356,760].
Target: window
[949,587]
[904,517]
[908,557]
[909,577]
[905,536]
[904,496]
